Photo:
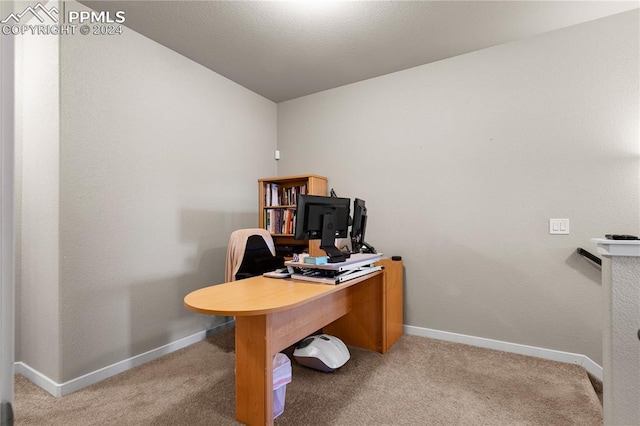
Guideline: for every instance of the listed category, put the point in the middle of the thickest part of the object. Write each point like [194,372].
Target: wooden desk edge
[330,288]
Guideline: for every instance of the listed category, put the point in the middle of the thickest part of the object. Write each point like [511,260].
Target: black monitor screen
[325,219]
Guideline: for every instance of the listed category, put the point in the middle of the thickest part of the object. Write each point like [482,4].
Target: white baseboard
[57,389]
[61,389]
[37,378]
[550,354]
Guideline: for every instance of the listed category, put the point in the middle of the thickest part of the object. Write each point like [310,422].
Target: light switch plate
[559,226]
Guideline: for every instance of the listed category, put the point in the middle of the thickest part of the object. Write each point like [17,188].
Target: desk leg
[254,370]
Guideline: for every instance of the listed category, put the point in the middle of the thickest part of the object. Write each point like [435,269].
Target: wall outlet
[559,226]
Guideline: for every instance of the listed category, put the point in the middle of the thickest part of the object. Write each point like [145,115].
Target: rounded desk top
[259,295]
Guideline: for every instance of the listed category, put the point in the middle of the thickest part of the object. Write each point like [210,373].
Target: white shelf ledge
[617,247]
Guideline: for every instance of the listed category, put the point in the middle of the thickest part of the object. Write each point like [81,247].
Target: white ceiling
[287,49]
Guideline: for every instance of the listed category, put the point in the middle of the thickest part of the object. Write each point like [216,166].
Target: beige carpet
[420,381]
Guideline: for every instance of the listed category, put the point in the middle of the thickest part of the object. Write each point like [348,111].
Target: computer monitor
[358,244]
[324,219]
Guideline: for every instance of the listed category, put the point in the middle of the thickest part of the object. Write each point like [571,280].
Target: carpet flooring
[420,381]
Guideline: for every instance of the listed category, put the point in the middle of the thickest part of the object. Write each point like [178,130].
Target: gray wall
[158,163]
[462,163]
[37,202]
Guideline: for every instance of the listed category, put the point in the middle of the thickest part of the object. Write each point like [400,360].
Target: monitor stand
[328,240]
[367,248]
[358,246]
[334,254]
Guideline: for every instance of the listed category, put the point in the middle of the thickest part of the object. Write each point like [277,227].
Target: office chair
[250,252]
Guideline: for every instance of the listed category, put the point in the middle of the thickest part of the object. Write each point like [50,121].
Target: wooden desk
[273,314]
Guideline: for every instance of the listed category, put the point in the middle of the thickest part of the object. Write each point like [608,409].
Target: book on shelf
[280,221]
[271,194]
[290,194]
[275,195]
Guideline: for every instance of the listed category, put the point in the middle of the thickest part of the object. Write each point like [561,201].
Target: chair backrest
[257,259]
[250,252]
